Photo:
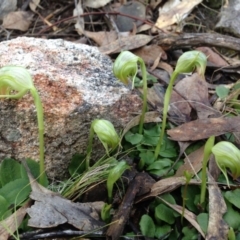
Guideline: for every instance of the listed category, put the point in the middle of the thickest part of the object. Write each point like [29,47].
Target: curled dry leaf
[20,20]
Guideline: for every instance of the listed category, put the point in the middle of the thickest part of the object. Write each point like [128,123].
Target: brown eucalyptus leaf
[166,185]
[195,90]
[192,163]
[19,20]
[126,43]
[204,128]
[217,227]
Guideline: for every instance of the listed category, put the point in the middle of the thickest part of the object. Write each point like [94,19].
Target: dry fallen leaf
[126,43]
[217,227]
[213,57]
[166,185]
[51,209]
[12,223]
[34,4]
[204,128]
[175,13]
[20,20]
[102,38]
[195,90]
[192,163]
[150,53]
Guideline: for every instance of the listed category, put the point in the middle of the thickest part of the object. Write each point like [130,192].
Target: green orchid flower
[227,156]
[125,66]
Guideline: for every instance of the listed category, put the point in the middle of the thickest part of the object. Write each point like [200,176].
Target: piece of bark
[175,41]
[121,217]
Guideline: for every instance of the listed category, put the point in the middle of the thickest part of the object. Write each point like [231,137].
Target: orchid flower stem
[144,107]
[167,98]
[39,108]
[89,147]
[207,152]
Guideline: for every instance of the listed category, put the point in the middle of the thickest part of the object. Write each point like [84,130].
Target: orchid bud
[227,155]
[191,60]
[106,133]
[114,175]
[126,65]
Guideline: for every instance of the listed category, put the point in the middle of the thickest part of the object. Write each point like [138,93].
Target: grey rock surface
[76,85]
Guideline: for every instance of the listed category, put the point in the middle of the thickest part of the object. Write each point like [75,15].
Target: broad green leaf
[77,164]
[35,171]
[160,167]
[192,192]
[133,138]
[160,164]
[164,213]
[189,233]
[16,192]
[202,220]
[154,131]
[147,157]
[149,140]
[222,91]
[3,207]
[10,170]
[162,231]
[233,197]
[147,226]
[232,217]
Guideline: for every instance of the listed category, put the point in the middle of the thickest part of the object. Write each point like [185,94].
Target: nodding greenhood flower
[227,155]
[126,65]
[192,60]
[106,133]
